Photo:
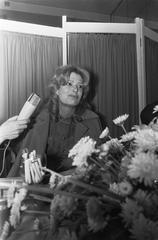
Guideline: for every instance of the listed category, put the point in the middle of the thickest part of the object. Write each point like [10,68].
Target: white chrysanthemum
[121,119]
[125,188]
[149,201]
[53,180]
[36,226]
[104,149]
[5,231]
[128,137]
[15,210]
[146,139]
[96,219]
[155,109]
[115,143]
[144,228]
[143,197]
[130,211]
[144,167]
[104,133]
[113,187]
[84,148]
[22,194]
[65,234]
[66,204]
[95,225]
[11,194]
[126,160]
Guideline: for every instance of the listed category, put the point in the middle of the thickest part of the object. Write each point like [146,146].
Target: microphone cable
[4,155]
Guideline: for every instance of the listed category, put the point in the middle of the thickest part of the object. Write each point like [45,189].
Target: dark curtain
[151,66]
[111,60]
[29,61]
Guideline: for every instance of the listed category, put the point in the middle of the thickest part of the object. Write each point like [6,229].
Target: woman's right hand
[12,128]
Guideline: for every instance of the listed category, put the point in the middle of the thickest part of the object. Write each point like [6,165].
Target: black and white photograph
[78,119]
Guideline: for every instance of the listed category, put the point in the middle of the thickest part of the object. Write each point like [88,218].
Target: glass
[75,86]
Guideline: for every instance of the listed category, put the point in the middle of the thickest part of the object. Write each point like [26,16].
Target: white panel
[100,27]
[64,42]
[141,63]
[21,27]
[150,34]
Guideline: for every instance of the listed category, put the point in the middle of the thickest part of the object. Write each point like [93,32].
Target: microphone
[29,107]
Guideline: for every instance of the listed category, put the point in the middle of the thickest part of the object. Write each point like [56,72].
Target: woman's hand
[12,128]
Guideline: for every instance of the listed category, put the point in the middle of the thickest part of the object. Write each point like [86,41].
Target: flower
[128,137]
[144,228]
[130,211]
[36,226]
[144,167]
[125,188]
[114,188]
[104,149]
[146,139]
[141,196]
[10,194]
[121,119]
[113,185]
[15,209]
[65,234]
[104,133]
[84,148]
[155,109]
[5,231]
[53,180]
[65,203]
[96,220]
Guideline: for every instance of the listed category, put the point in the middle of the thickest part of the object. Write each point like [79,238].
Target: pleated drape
[29,61]
[111,59]
[151,66]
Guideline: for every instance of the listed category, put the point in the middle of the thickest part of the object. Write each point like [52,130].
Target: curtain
[151,66]
[29,61]
[111,60]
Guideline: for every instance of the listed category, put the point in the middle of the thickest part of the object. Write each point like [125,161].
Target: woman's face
[71,93]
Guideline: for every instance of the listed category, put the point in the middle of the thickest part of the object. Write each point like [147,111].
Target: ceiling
[49,12]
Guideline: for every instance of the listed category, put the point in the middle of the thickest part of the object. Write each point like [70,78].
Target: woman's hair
[61,77]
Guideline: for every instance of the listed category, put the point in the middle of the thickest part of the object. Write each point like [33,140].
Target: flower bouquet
[111,193]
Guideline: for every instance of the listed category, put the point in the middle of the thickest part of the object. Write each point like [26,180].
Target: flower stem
[123,128]
[114,171]
[97,163]
[37,212]
[69,194]
[109,195]
[51,172]
[114,197]
[40,198]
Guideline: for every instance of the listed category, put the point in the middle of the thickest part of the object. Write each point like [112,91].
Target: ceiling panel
[92,9]
[98,6]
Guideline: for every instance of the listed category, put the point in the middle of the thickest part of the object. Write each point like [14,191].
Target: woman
[63,120]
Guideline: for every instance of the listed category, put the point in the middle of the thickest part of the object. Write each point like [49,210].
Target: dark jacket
[37,136]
